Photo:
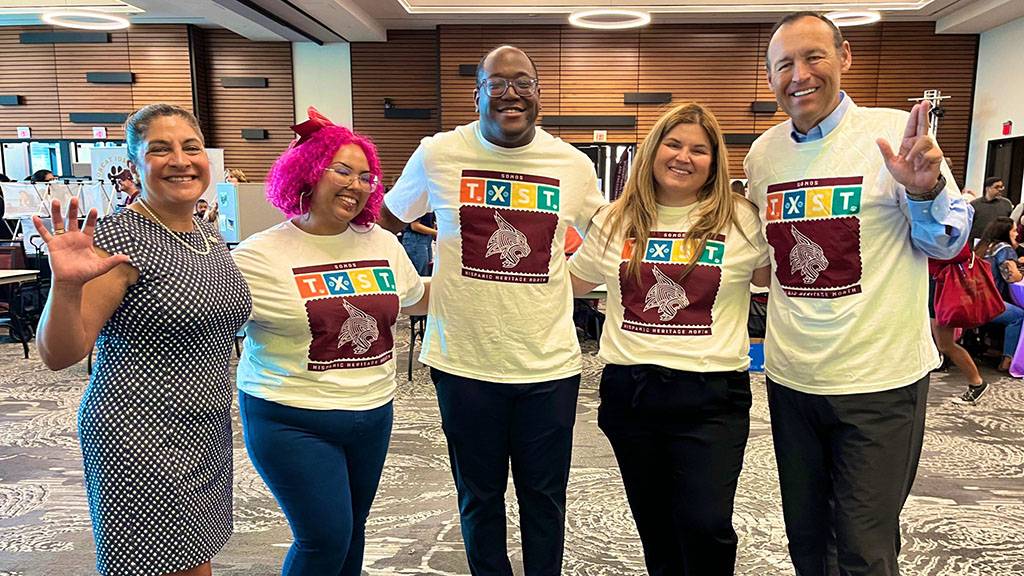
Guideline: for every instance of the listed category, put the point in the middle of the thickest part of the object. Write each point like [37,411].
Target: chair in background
[13,313]
[417,326]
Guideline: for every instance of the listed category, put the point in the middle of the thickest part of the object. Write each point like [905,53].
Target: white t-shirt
[847,311]
[500,298]
[320,334]
[698,324]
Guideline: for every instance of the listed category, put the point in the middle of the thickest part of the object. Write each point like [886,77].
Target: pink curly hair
[300,167]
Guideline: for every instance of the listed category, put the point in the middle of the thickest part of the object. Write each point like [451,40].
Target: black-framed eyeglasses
[496,87]
[366,180]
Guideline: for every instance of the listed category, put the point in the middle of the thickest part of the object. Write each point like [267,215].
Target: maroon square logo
[352,332]
[660,303]
[817,258]
[504,245]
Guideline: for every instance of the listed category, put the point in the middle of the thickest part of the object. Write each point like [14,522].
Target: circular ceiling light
[853,18]
[85,20]
[609,18]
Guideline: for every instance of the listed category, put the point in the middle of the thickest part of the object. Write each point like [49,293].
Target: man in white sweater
[850,224]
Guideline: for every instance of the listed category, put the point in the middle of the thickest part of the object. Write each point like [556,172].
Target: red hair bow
[306,129]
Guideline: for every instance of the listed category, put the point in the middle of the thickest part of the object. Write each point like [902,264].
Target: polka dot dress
[155,422]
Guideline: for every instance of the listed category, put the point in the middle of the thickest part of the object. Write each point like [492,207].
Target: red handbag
[965,293]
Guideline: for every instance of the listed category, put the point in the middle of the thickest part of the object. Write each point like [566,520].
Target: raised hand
[72,258]
[916,166]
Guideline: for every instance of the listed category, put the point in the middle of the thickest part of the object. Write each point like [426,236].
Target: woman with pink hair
[317,377]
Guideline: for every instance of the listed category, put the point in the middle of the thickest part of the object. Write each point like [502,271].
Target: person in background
[970,195]
[850,223]
[317,376]
[200,209]
[500,339]
[417,239]
[678,252]
[993,204]
[945,336]
[155,419]
[40,176]
[997,246]
[235,176]
[128,187]
[739,187]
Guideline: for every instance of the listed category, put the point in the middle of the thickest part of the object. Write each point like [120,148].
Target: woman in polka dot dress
[160,297]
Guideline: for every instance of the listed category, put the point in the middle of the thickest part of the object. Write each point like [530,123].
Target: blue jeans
[418,247]
[1011,319]
[323,467]
[488,425]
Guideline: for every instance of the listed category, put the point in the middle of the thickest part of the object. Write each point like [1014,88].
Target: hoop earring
[304,214]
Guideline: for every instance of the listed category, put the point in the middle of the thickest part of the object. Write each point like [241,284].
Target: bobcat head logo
[360,329]
[806,257]
[667,296]
[510,244]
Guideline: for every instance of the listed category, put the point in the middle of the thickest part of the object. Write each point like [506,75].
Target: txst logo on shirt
[508,224]
[814,228]
[350,307]
[662,304]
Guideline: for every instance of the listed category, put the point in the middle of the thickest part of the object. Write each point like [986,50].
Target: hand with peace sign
[916,166]
[72,258]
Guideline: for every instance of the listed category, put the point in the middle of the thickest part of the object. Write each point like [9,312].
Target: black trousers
[488,425]
[846,465]
[679,439]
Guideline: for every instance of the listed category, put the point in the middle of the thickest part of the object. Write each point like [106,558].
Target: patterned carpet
[965,517]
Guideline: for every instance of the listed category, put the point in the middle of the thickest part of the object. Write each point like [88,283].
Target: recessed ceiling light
[85,20]
[609,18]
[853,17]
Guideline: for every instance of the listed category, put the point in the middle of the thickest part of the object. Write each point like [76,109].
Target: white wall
[323,78]
[998,94]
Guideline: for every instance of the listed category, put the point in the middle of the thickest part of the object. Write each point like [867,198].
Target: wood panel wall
[28,70]
[719,65]
[232,109]
[51,78]
[405,70]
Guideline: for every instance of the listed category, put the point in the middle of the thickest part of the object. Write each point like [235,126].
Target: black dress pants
[490,425]
[846,465]
[679,439]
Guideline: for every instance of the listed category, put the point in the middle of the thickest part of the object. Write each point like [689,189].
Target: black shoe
[973,394]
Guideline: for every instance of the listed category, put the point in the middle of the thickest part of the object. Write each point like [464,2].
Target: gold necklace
[174,235]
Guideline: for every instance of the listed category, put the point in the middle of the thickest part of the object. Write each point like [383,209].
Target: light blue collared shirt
[827,125]
[938,227]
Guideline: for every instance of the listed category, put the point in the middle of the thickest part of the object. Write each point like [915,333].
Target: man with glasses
[500,340]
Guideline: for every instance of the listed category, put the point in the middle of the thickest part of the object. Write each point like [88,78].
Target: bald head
[501,53]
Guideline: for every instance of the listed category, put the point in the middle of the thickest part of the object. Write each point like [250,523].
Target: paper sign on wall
[99,132]
[24,132]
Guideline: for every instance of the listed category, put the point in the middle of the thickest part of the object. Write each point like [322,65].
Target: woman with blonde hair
[678,251]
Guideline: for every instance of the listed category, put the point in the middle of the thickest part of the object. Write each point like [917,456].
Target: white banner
[96,195]
[23,199]
[110,164]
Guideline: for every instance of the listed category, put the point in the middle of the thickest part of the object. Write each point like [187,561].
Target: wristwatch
[931,194]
